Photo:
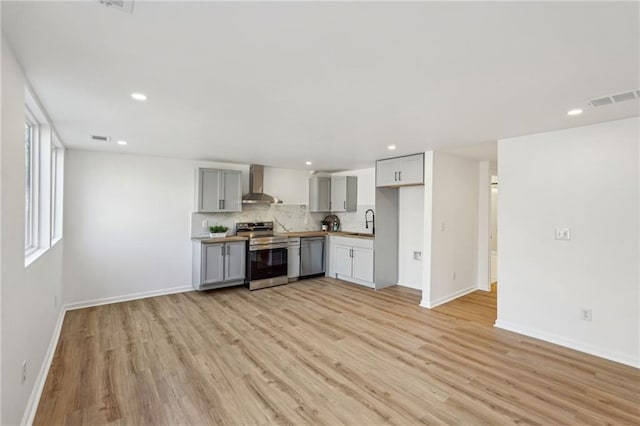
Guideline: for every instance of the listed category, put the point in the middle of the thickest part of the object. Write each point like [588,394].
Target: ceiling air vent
[122,5]
[97,138]
[614,99]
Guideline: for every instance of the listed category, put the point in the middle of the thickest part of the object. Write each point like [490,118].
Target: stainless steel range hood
[255,195]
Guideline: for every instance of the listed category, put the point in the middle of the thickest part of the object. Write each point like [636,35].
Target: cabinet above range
[333,194]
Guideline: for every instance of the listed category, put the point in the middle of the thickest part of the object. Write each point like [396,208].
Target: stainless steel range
[267,255]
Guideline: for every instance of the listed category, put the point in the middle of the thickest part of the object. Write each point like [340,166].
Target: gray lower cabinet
[218,265]
[219,191]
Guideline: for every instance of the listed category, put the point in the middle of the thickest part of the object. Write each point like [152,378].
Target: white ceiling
[333,83]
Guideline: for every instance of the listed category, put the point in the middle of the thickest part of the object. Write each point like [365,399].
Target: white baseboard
[41,378]
[127,297]
[569,343]
[448,298]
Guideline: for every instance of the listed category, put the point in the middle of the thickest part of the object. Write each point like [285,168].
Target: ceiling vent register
[614,99]
[97,138]
[122,5]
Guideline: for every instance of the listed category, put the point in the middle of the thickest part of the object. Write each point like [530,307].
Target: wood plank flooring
[321,352]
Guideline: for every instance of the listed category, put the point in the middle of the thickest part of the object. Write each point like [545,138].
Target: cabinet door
[209,190]
[363,264]
[232,198]
[339,194]
[343,260]
[293,261]
[411,169]
[319,194]
[387,172]
[235,260]
[212,263]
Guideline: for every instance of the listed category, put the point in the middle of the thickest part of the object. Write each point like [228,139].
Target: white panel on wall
[411,230]
[585,179]
[289,185]
[454,215]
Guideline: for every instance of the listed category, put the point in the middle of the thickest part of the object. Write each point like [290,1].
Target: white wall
[451,213]
[410,235]
[28,295]
[585,179]
[127,221]
[289,185]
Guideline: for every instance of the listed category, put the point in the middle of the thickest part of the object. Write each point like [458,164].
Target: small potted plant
[218,231]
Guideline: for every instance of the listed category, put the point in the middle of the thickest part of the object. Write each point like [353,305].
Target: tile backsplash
[285,218]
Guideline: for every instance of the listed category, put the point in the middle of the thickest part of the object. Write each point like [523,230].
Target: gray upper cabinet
[344,193]
[400,171]
[319,194]
[219,191]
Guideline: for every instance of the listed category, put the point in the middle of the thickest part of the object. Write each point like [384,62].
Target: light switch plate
[417,255]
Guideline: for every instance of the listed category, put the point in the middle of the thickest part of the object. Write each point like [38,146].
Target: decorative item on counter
[218,231]
[333,223]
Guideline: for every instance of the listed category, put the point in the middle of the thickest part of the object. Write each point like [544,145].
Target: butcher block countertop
[209,240]
[323,233]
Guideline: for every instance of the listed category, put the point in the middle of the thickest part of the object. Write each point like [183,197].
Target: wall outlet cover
[563,234]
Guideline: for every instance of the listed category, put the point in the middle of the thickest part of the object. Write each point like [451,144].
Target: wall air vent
[614,99]
[97,138]
[122,5]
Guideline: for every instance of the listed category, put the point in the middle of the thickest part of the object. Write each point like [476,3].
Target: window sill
[55,241]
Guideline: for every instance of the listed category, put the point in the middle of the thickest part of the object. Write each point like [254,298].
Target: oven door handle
[268,247]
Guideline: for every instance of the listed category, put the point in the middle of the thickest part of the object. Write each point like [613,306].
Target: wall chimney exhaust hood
[255,195]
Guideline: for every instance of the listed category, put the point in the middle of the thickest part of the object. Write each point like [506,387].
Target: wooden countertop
[323,233]
[219,240]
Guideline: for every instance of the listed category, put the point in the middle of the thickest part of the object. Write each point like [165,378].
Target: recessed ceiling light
[576,111]
[122,142]
[391,147]
[308,163]
[139,96]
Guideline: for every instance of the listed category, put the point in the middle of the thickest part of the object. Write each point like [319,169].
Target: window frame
[32,228]
[57,189]
[44,222]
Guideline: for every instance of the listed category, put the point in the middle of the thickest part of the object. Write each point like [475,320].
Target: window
[43,175]
[31,184]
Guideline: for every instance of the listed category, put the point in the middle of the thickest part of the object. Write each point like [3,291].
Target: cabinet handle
[222,251]
[219,204]
[345,205]
[395,176]
[228,250]
[222,204]
[400,175]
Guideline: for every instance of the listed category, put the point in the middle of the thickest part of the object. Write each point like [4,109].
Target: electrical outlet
[205,223]
[585,314]
[453,275]
[24,371]
[563,234]
[417,255]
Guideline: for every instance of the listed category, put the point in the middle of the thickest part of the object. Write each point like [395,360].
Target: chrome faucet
[372,221]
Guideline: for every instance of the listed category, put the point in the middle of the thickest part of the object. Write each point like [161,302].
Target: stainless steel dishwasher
[311,256]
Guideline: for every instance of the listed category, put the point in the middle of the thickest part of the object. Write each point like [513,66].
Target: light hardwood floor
[321,352]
